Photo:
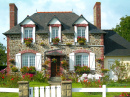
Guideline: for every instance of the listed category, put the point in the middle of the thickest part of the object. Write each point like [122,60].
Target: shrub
[40,77]
[81,70]
[14,69]
[24,70]
[31,69]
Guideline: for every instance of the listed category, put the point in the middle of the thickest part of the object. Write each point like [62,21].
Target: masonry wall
[15,46]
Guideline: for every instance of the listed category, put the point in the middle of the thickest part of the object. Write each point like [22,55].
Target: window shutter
[75,28]
[38,62]
[22,34]
[92,61]
[33,34]
[71,61]
[50,34]
[59,32]
[18,60]
[86,34]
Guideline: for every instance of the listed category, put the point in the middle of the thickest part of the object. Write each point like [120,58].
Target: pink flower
[99,86]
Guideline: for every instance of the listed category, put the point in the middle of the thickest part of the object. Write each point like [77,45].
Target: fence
[65,90]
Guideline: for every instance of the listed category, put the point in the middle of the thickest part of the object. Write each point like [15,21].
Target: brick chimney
[97,15]
[13,15]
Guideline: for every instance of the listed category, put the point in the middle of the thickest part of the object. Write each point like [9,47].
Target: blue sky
[111,10]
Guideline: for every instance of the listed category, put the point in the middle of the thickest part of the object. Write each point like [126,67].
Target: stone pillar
[66,89]
[23,88]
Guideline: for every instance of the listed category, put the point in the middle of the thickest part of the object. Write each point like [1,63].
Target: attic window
[81,31]
[28,33]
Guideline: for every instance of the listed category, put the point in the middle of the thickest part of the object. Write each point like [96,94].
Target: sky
[111,11]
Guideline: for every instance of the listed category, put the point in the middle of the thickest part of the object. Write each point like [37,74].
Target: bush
[40,77]
[14,69]
[24,70]
[31,69]
[81,70]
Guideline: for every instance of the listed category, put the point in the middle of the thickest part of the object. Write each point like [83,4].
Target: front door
[55,66]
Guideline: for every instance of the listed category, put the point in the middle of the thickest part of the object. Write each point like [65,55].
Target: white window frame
[28,29]
[81,31]
[82,54]
[56,29]
[28,58]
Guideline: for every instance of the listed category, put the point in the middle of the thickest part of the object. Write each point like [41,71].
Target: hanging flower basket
[55,40]
[54,60]
[42,44]
[12,61]
[99,60]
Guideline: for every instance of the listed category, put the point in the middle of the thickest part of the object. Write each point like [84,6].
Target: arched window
[28,59]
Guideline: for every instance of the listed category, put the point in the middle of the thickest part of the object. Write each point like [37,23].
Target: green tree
[3,55]
[123,29]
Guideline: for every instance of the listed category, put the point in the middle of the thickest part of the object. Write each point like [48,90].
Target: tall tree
[123,29]
[3,55]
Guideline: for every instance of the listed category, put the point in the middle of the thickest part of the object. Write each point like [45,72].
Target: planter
[55,43]
[81,43]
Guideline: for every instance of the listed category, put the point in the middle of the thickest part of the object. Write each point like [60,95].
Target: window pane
[26,33]
[83,32]
[32,60]
[56,33]
[79,32]
[78,60]
[30,33]
[25,61]
[53,33]
[84,60]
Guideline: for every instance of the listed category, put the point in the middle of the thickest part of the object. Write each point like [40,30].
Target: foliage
[54,60]
[24,70]
[46,62]
[99,59]
[42,44]
[14,69]
[81,70]
[81,40]
[55,40]
[64,64]
[104,70]
[3,55]
[3,71]
[39,76]
[28,41]
[68,44]
[11,61]
[31,69]
[119,70]
[123,29]
[125,94]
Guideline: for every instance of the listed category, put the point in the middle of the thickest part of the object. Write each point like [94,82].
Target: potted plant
[28,41]
[54,60]
[104,70]
[68,44]
[99,59]
[12,61]
[55,40]
[42,44]
[81,40]
[14,69]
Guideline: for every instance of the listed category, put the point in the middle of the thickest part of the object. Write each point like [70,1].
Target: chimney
[13,15]
[97,15]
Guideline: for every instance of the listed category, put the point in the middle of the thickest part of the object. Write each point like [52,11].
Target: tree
[3,55]
[123,29]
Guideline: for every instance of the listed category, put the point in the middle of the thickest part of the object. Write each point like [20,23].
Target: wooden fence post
[23,88]
[66,89]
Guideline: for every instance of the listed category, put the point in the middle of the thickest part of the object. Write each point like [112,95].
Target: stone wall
[93,46]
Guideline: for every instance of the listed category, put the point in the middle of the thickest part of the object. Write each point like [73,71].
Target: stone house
[43,27]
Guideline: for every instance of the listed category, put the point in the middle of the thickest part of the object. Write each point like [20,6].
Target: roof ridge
[56,12]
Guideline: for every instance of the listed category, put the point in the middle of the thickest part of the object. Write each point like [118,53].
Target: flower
[3,77]
[12,79]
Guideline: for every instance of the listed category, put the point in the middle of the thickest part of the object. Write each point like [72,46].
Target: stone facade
[94,45]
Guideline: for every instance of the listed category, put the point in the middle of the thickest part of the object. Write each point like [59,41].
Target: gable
[81,21]
[54,21]
[27,21]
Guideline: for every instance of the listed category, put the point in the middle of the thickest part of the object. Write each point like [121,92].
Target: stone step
[55,79]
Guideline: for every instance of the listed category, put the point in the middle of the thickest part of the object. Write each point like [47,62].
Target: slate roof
[115,45]
[42,19]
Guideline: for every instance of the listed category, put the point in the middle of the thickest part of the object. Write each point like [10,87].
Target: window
[54,32]
[28,33]
[28,59]
[81,31]
[82,59]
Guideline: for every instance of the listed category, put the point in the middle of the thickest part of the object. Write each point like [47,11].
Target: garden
[38,78]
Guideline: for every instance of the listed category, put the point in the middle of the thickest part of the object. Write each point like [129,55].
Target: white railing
[103,90]
[48,91]
[14,90]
